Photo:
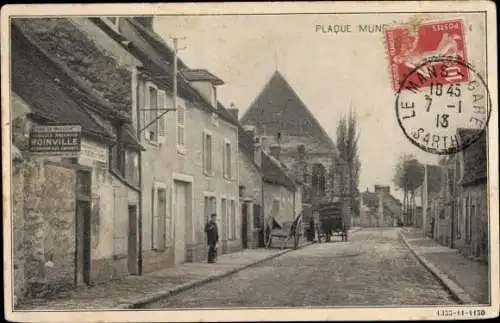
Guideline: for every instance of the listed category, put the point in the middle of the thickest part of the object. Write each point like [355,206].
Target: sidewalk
[133,291]
[466,279]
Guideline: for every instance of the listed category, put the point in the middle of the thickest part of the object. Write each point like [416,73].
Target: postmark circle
[437,99]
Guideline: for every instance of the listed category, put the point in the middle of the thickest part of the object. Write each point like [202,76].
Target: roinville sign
[55,140]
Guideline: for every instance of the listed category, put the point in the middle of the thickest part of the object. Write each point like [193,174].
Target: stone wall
[49,228]
[17,200]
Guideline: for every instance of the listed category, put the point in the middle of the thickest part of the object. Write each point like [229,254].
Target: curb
[202,281]
[456,291]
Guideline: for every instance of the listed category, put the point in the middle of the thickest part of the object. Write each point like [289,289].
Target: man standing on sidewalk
[212,238]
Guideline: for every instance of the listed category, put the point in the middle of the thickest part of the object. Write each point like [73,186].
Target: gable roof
[392,198]
[274,174]
[201,75]
[41,84]
[279,108]
[97,75]
[475,159]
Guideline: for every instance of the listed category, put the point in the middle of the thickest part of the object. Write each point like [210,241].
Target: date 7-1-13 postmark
[431,110]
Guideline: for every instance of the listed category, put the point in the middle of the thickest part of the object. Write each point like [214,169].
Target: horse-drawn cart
[286,231]
[332,221]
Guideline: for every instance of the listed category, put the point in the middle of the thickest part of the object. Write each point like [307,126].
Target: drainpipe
[139,226]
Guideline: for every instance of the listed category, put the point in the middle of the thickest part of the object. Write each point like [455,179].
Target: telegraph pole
[176,51]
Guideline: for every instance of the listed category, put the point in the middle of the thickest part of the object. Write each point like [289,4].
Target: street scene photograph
[251,161]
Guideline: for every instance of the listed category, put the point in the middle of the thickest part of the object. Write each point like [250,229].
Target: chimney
[233,111]
[145,21]
[275,151]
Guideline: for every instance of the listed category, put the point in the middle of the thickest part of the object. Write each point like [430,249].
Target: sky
[329,71]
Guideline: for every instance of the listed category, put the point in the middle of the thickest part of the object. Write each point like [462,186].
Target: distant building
[471,215]
[379,208]
[281,120]
[456,199]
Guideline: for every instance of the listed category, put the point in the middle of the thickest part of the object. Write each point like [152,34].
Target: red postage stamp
[410,46]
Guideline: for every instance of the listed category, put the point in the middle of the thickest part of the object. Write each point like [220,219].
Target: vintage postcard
[250,161]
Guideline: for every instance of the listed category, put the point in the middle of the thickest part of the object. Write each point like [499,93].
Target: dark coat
[212,232]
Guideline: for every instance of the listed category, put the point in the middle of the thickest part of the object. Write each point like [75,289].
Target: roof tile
[475,156]
[36,80]
[67,44]
[279,109]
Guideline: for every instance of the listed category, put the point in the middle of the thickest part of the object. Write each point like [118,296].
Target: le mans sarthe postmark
[437,91]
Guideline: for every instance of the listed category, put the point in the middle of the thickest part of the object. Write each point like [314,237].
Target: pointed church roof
[280,109]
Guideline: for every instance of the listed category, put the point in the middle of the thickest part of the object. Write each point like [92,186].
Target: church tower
[282,119]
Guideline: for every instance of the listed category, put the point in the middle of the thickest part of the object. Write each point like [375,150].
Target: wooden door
[244,225]
[83,242]
[180,222]
[132,240]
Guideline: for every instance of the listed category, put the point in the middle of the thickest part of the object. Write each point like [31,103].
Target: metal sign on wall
[55,140]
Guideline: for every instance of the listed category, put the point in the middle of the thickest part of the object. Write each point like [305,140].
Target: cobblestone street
[372,268]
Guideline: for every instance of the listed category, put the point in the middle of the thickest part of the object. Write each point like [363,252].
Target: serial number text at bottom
[461,312]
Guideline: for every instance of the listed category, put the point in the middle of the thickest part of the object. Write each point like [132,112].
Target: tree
[347,145]
[408,175]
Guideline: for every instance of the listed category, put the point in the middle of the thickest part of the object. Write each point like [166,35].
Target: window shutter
[203,152]
[212,155]
[230,162]
[224,159]
[154,213]
[180,122]
[146,113]
[167,220]
[162,104]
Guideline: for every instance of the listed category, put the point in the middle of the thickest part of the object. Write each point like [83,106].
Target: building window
[208,153]
[181,126]
[159,214]
[227,160]
[154,116]
[151,113]
[118,154]
[318,179]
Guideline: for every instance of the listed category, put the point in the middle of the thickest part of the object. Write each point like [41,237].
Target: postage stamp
[410,46]
[191,162]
